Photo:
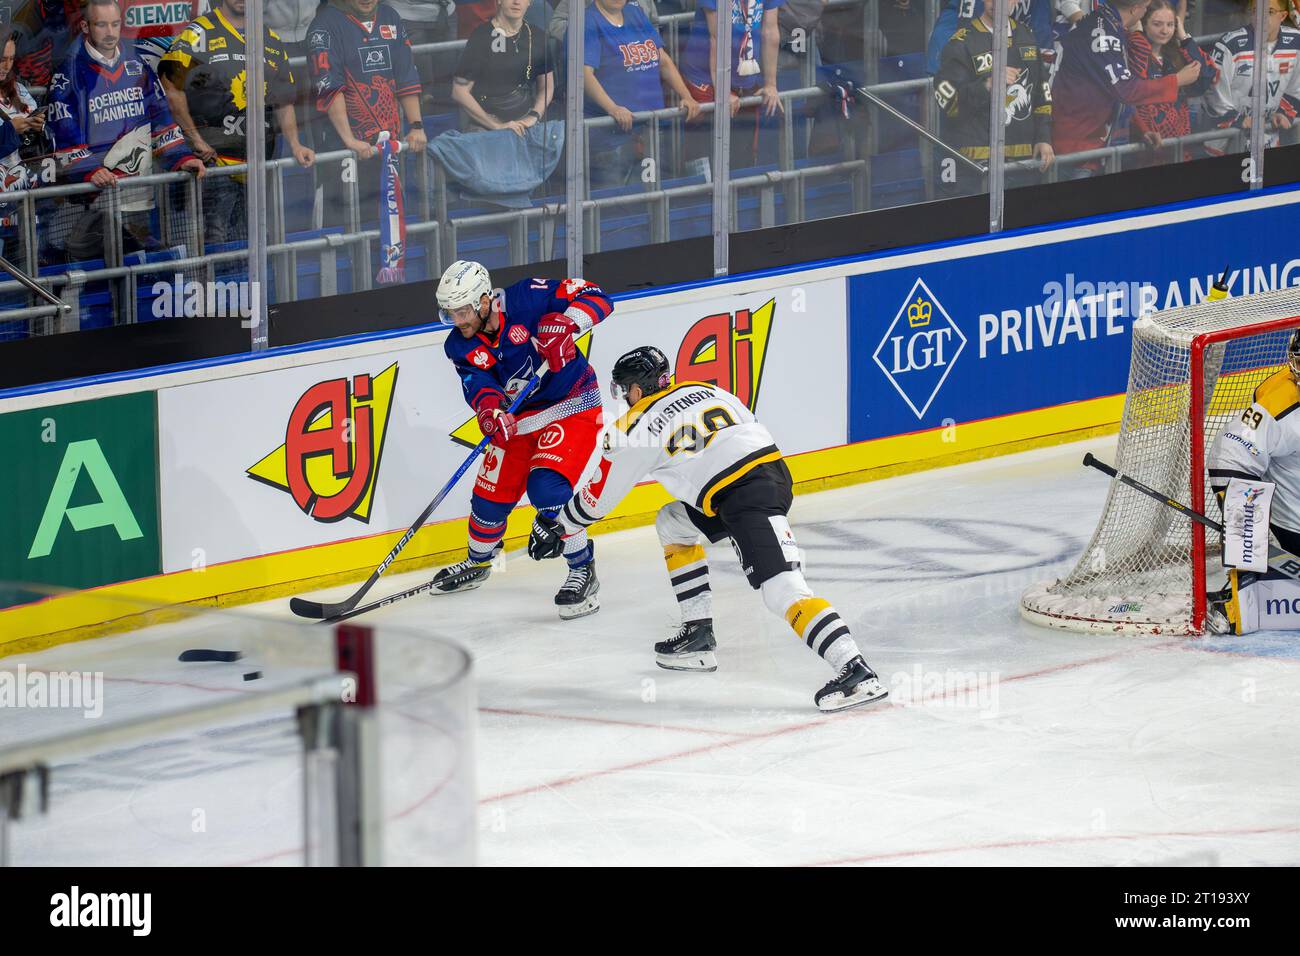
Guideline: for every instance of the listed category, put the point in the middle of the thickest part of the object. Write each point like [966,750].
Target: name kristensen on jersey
[661,415]
[657,416]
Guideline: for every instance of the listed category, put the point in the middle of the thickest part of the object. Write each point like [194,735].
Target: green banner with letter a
[79,501]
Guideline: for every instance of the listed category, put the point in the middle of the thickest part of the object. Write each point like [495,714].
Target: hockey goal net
[1191,371]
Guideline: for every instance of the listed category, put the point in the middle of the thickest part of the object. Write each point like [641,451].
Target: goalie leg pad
[1267,602]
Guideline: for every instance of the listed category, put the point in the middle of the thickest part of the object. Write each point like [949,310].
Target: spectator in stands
[506,75]
[558,25]
[1229,102]
[151,25]
[48,31]
[1036,13]
[755,47]
[204,76]
[290,19]
[365,82]
[110,119]
[1072,11]
[427,21]
[625,64]
[963,91]
[1161,48]
[1094,77]
[800,22]
[903,24]
[472,14]
[23,140]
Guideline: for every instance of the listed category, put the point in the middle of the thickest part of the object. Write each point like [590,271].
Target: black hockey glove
[547,539]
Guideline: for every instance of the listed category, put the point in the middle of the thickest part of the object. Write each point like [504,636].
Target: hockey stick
[382,602]
[1279,559]
[329,613]
[1152,493]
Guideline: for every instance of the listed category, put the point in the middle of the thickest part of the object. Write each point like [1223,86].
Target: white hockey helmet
[463,283]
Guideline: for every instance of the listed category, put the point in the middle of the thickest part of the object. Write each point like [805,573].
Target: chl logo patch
[517,334]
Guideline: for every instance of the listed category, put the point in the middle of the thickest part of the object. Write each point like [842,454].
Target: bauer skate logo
[920,348]
[728,350]
[329,462]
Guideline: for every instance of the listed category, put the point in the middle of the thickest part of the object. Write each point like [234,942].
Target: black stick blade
[204,654]
[312,609]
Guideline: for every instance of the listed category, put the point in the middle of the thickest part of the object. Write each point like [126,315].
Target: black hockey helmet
[1293,354]
[645,366]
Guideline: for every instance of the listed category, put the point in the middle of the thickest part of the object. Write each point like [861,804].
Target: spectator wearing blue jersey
[755,48]
[625,67]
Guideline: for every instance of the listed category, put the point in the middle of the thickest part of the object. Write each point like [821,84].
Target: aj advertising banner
[291,458]
[964,339]
[83,509]
[296,457]
[780,350]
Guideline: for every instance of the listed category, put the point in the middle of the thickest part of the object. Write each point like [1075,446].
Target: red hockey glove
[496,424]
[555,340]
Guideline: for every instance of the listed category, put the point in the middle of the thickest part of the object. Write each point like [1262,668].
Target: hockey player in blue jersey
[108,113]
[500,339]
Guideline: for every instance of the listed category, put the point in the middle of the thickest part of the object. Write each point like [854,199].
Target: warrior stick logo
[728,350]
[334,441]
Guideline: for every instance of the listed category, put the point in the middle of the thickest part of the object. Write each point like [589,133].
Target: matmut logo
[920,348]
[334,441]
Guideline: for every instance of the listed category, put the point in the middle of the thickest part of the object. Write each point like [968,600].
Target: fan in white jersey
[707,449]
[1262,444]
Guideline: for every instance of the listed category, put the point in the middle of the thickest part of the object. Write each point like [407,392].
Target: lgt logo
[920,348]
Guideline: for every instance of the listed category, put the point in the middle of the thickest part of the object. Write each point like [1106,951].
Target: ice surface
[1003,743]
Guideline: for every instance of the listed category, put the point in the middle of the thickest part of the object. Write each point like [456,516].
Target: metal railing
[429,189]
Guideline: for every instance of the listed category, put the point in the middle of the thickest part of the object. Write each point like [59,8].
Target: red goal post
[1198,444]
[1191,371]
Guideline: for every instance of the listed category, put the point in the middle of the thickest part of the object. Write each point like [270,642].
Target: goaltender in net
[707,449]
[1254,469]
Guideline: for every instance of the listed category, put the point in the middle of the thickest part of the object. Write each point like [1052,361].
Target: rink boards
[244,478]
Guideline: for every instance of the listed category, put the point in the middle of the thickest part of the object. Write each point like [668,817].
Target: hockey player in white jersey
[1256,461]
[707,449]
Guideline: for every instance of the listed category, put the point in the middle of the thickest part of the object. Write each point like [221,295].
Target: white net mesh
[1137,572]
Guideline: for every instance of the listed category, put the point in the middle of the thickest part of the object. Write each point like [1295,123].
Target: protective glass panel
[180,743]
[102,200]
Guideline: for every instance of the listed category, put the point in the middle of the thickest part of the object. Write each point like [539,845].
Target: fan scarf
[392,224]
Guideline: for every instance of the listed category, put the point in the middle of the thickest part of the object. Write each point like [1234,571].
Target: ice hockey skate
[463,576]
[855,685]
[577,596]
[691,650]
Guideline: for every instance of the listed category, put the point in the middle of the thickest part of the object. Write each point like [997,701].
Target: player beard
[482,325]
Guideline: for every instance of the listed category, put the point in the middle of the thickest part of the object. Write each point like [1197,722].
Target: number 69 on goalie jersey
[1263,442]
